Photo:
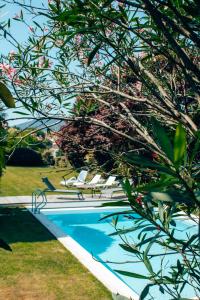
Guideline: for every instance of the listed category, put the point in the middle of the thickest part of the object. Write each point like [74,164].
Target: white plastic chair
[80,179]
[109,182]
[90,184]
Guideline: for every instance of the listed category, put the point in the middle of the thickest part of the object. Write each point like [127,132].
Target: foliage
[6,96]
[25,157]
[110,42]
[28,138]
[160,205]
[48,158]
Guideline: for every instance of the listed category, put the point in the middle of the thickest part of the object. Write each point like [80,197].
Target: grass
[39,267]
[19,181]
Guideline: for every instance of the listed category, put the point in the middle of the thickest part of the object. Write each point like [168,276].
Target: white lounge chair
[79,179]
[90,184]
[51,188]
[109,182]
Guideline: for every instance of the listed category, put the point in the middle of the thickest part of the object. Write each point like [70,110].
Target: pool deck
[57,201]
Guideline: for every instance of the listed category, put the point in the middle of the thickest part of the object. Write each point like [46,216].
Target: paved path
[57,201]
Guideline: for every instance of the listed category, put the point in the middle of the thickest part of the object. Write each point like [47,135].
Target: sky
[19,31]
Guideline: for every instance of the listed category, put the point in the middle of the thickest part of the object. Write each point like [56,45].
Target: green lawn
[19,181]
[39,267]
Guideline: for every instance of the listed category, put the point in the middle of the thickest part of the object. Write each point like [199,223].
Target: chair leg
[80,196]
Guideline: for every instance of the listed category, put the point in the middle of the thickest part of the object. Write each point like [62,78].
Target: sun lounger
[79,179]
[51,188]
[91,184]
[111,181]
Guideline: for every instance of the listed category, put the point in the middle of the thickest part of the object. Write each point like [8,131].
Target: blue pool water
[85,227]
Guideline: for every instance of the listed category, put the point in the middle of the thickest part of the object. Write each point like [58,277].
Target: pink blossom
[139,199]
[18,81]
[154,155]
[43,62]
[7,69]
[108,32]
[12,52]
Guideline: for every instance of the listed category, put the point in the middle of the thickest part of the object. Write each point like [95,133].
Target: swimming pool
[86,229]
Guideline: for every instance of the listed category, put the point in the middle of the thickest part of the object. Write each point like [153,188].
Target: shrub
[48,158]
[25,157]
[62,162]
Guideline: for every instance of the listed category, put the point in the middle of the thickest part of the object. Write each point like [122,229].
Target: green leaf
[189,242]
[21,113]
[130,274]
[170,197]
[156,186]
[142,161]
[145,291]
[6,96]
[179,144]
[123,231]
[129,248]
[92,54]
[117,213]
[146,259]
[163,139]
[161,289]
[148,264]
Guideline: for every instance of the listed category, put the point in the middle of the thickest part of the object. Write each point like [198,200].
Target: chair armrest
[72,178]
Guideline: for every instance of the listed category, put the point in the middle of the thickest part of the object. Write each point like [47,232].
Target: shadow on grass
[18,225]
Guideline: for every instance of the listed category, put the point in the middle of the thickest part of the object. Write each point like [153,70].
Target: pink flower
[8,70]
[154,155]
[43,62]
[108,32]
[12,52]
[139,199]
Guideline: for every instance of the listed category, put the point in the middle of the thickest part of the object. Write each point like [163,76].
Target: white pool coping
[110,280]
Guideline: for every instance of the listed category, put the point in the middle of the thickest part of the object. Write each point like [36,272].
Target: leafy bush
[174,193]
[62,162]
[25,157]
[48,158]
